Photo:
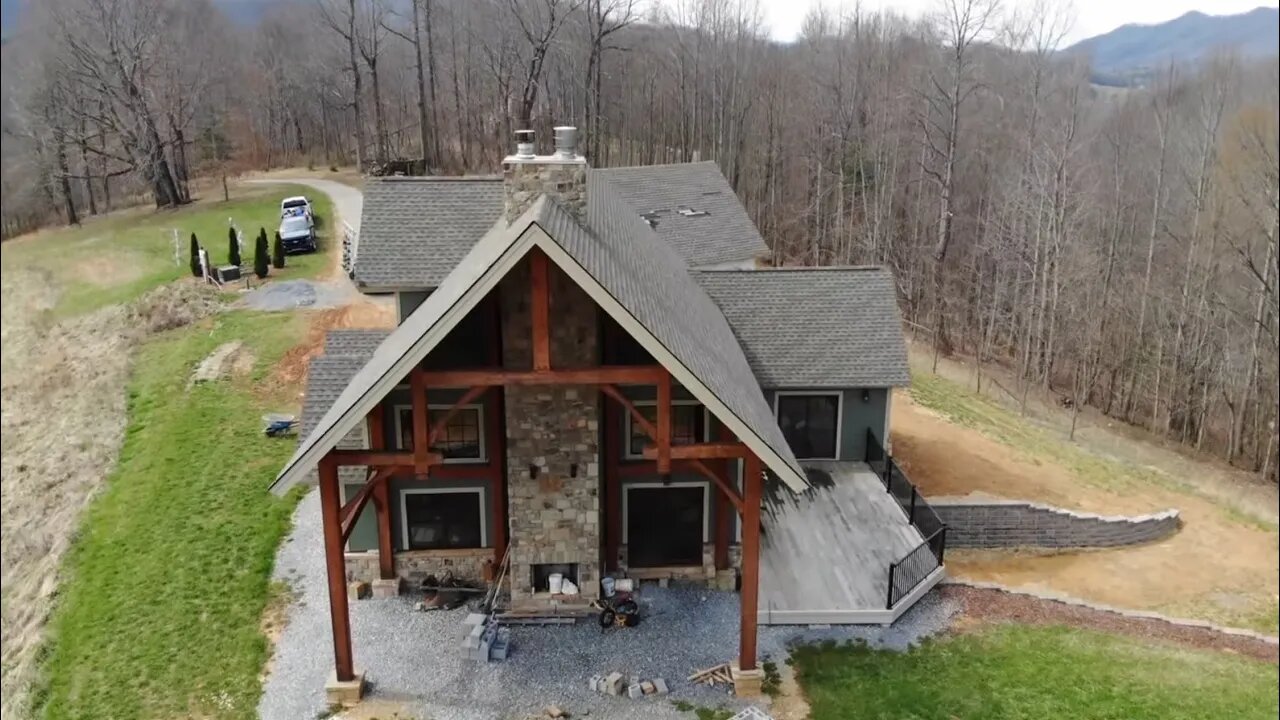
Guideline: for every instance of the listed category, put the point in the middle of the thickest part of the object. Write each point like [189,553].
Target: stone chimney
[562,175]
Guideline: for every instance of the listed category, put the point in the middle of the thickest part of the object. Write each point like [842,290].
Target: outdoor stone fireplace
[553,449]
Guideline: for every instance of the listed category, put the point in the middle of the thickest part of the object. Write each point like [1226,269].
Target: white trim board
[479,408]
[839,394]
[866,616]
[706,504]
[404,513]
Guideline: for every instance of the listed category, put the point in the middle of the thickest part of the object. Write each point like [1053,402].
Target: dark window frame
[636,438]
[804,446]
[451,519]
[451,449]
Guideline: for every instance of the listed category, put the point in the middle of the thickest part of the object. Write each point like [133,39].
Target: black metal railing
[912,569]
[916,566]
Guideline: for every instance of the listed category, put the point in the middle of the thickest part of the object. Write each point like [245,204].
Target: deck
[824,555]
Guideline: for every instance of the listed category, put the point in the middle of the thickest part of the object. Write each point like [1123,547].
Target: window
[462,439]
[811,423]
[442,520]
[688,425]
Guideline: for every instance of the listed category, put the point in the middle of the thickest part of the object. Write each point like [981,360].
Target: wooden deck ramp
[825,554]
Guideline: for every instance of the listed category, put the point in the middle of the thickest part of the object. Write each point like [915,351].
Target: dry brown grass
[62,426]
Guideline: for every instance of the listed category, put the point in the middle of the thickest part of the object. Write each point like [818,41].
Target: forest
[1115,246]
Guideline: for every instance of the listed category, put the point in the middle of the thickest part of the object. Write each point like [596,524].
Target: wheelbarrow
[278,425]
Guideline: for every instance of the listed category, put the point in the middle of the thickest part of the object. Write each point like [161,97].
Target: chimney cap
[525,144]
[566,138]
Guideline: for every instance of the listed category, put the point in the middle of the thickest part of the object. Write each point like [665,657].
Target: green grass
[159,611]
[118,257]
[1034,673]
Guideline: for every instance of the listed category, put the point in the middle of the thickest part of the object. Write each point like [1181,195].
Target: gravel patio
[415,658]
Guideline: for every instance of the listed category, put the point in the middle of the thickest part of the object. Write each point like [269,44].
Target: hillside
[1135,50]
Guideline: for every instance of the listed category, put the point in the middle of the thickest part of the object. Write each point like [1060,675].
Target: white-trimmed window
[442,518]
[462,440]
[688,425]
[810,421]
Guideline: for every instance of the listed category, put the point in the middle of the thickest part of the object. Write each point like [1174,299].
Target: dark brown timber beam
[701,451]
[613,375]
[335,567]
[351,511]
[377,458]
[663,454]
[752,482]
[540,306]
[421,421]
[630,407]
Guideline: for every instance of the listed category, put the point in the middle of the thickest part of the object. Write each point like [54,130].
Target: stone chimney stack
[562,175]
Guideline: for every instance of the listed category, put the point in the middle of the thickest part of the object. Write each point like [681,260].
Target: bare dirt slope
[1221,566]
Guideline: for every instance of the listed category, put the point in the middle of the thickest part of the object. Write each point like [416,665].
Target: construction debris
[713,675]
[485,640]
[633,687]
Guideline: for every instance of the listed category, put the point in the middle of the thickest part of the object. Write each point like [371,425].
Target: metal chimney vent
[524,144]
[566,141]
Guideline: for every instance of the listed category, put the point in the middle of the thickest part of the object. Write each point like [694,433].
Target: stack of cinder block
[615,684]
[485,640]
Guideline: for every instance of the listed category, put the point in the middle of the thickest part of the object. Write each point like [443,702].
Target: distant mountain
[1135,51]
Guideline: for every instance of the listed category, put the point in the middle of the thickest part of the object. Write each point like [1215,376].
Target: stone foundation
[415,565]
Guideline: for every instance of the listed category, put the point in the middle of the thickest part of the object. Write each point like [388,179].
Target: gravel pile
[294,294]
[416,657]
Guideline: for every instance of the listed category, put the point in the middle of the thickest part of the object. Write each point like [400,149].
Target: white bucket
[624,585]
[606,585]
[555,582]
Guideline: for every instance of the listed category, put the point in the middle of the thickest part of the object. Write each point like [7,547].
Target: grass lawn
[158,615]
[1033,673]
[118,257]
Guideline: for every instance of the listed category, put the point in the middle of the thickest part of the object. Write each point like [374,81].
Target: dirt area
[1221,566]
[985,606]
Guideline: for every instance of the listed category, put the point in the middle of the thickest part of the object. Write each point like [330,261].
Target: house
[591,376]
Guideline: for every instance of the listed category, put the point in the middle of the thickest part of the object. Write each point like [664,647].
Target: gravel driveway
[335,291]
[415,657]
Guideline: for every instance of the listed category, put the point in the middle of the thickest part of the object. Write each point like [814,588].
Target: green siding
[856,418]
[407,302]
[364,536]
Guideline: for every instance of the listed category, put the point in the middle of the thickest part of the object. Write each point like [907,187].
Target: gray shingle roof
[413,231]
[649,279]
[326,377]
[724,234]
[348,341]
[638,271]
[814,327]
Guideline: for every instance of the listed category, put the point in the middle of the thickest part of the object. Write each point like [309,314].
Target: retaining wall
[993,523]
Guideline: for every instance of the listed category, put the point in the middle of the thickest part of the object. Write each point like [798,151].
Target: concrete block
[596,683]
[474,619]
[746,683]
[613,683]
[386,588]
[660,686]
[634,691]
[357,590]
[344,692]
[648,688]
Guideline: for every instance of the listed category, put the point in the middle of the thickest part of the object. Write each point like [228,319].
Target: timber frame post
[336,569]
[749,595]
[381,501]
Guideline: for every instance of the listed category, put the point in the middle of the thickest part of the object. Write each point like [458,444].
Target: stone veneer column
[565,179]
[556,517]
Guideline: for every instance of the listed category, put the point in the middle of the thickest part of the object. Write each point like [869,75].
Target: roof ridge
[657,165]
[794,268]
[437,178]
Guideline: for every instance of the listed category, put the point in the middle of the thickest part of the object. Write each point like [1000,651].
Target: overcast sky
[1093,17]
